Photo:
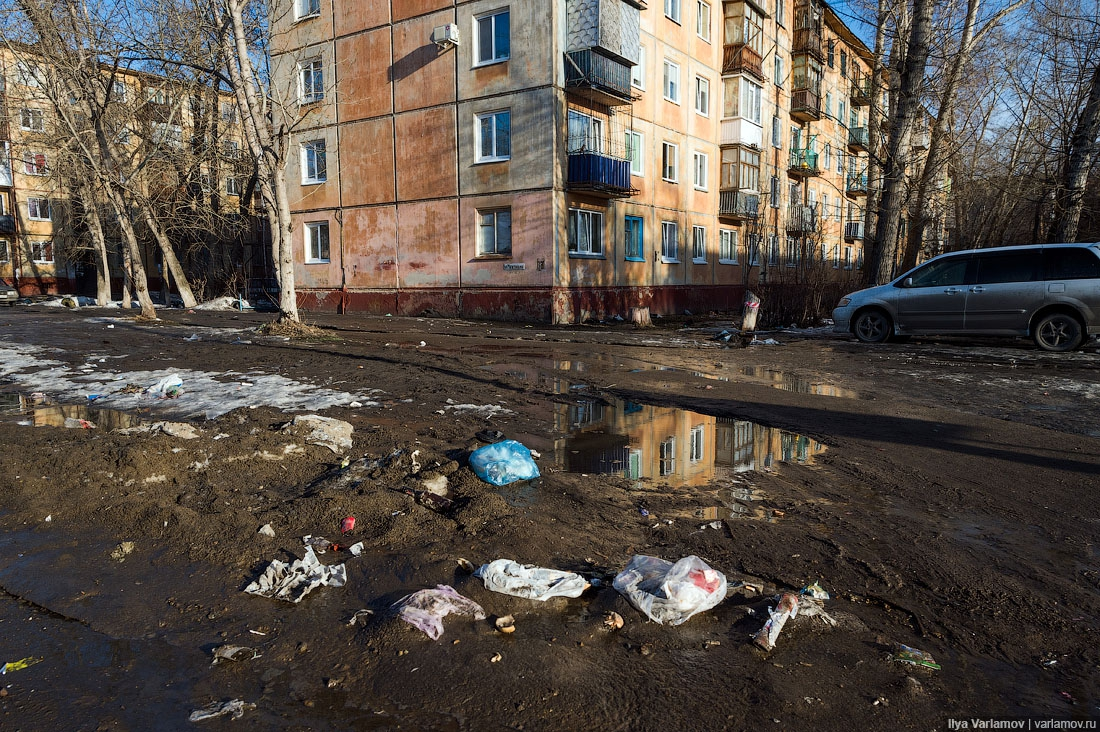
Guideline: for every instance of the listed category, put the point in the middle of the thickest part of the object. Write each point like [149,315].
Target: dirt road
[944,493]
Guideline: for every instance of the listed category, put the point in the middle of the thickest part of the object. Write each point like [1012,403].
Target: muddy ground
[945,493]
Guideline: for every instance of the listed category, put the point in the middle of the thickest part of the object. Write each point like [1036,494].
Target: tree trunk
[171,262]
[874,133]
[99,242]
[1083,149]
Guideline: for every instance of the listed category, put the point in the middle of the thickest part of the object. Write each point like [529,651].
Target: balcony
[860,95]
[801,219]
[739,131]
[857,185]
[600,175]
[738,205]
[7,224]
[805,105]
[739,58]
[808,41]
[853,230]
[858,139]
[597,77]
[920,140]
[803,163]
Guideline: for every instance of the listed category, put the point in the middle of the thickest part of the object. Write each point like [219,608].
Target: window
[702,96]
[317,242]
[633,239]
[754,250]
[773,250]
[670,241]
[741,168]
[750,100]
[32,119]
[232,187]
[794,251]
[494,136]
[847,250]
[836,256]
[38,209]
[778,70]
[702,20]
[672,82]
[314,162]
[828,104]
[307,9]
[780,12]
[695,453]
[832,53]
[42,251]
[634,152]
[741,98]
[777,132]
[668,456]
[727,246]
[28,74]
[637,71]
[699,244]
[167,135]
[843,63]
[5,251]
[827,157]
[840,112]
[585,233]
[1066,263]
[492,38]
[839,160]
[672,10]
[231,149]
[699,170]
[669,165]
[229,112]
[34,163]
[773,192]
[494,232]
[585,133]
[1021,267]
[311,82]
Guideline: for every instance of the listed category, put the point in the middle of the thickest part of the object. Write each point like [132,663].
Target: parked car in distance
[8,293]
[1050,292]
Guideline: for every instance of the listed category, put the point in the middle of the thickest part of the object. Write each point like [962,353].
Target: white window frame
[231,149]
[585,133]
[670,242]
[700,170]
[667,456]
[313,242]
[670,86]
[31,166]
[637,71]
[495,156]
[32,119]
[794,251]
[635,152]
[311,81]
[778,73]
[5,250]
[28,74]
[39,250]
[494,229]
[777,132]
[304,9]
[698,443]
[699,245]
[673,10]
[229,112]
[727,246]
[751,96]
[702,96]
[35,206]
[773,250]
[314,162]
[494,56]
[670,162]
[592,222]
[232,186]
[702,20]
[847,257]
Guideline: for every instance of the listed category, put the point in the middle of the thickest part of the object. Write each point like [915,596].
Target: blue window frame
[634,239]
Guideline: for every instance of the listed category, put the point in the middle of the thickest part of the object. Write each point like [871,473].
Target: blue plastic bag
[503,463]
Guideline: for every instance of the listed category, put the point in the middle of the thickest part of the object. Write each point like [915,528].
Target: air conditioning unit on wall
[445,36]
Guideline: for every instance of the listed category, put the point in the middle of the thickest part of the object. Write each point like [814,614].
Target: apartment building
[185,149]
[560,160]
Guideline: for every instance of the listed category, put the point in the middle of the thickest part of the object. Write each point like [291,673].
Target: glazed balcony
[803,163]
[740,58]
[805,105]
[801,219]
[857,185]
[600,175]
[858,139]
[738,205]
[853,230]
[597,77]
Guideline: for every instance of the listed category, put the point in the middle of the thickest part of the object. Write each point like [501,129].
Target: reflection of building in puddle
[15,403]
[104,419]
[790,382]
[670,446]
[738,503]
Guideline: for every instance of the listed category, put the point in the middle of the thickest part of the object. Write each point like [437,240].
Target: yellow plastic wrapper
[19,665]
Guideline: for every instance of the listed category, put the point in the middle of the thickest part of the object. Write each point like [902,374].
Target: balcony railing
[736,204]
[857,184]
[801,219]
[600,174]
[858,139]
[808,40]
[589,71]
[805,105]
[860,95]
[853,230]
[7,224]
[803,162]
[738,57]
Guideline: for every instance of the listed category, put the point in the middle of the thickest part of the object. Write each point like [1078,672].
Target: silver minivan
[1050,292]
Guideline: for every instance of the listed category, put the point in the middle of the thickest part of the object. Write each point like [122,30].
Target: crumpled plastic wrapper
[425,609]
[236,708]
[525,580]
[292,582]
[671,593]
[335,434]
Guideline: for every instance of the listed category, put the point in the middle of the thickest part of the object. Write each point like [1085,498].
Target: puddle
[790,382]
[36,410]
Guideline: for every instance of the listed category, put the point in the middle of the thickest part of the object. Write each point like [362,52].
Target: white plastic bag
[503,463]
[529,581]
[425,609]
[671,593]
[292,582]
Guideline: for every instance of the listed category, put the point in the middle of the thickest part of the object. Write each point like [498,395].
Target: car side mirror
[907,282]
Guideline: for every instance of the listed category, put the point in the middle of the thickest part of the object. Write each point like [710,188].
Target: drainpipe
[339,215]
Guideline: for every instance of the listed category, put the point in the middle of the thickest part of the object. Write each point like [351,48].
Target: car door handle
[952,291]
[979,288]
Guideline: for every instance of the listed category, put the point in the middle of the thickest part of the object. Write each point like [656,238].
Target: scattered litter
[360,617]
[355,405]
[182,430]
[766,342]
[506,624]
[194,337]
[1066,696]
[79,424]
[466,564]
[356,549]
[425,609]
[670,593]
[292,582]
[170,387]
[613,621]
[347,524]
[234,653]
[48,518]
[815,591]
[912,656]
[257,632]
[486,410]
[236,708]
[497,657]
[503,463]
[528,581]
[123,550]
[786,609]
[19,665]
[266,530]
[93,397]
[335,434]
[437,485]
[489,436]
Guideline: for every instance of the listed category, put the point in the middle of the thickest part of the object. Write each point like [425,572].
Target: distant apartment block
[559,160]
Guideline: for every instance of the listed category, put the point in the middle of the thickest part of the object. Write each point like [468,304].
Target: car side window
[1015,267]
[940,274]
[1071,264]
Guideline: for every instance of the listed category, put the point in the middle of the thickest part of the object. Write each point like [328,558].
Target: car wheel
[873,326]
[1058,332]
